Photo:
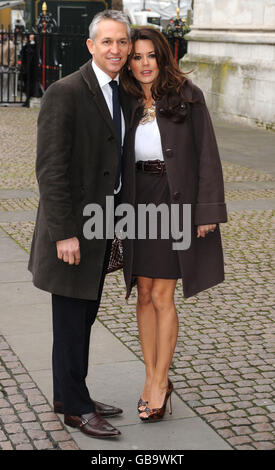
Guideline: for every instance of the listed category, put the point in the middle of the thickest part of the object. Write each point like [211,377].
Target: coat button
[110,137]
[106,173]
[169,153]
[176,195]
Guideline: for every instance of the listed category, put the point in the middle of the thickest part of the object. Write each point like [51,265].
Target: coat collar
[91,81]
[134,105]
[89,77]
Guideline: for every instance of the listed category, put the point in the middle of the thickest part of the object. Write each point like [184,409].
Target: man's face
[111,46]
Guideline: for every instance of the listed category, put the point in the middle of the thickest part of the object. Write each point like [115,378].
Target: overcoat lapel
[90,78]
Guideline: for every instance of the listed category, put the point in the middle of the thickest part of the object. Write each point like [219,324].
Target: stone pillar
[231,50]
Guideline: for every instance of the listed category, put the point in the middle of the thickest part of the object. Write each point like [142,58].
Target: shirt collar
[102,77]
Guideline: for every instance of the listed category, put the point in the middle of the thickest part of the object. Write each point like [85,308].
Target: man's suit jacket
[77,158]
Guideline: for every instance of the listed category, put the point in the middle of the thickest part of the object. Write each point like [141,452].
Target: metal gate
[11,82]
[29,63]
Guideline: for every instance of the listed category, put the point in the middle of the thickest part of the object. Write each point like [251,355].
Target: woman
[172,158]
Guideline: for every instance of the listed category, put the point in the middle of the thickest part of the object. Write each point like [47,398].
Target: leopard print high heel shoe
[156,414]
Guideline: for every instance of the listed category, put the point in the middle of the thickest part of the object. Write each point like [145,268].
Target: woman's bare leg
[162,295]
[146,319]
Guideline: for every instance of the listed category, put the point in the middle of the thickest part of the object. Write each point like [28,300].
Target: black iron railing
[29,63]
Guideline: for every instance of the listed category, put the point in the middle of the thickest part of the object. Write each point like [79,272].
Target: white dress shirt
[103,80]
[147,142]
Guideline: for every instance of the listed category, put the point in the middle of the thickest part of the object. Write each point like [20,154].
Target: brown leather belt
[152,166]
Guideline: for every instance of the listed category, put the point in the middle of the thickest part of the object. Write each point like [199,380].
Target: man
[80,132]
[29,68]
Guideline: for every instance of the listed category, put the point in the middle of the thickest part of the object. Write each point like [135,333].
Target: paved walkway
[223,368]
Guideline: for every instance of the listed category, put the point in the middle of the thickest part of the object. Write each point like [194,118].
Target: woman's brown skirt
[154,258]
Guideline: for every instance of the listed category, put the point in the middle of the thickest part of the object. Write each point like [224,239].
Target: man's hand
[68,250]
[203,230]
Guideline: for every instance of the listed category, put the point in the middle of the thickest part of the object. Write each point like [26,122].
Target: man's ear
[90,45]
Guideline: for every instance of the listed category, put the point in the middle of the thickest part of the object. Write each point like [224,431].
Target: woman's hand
[203,230]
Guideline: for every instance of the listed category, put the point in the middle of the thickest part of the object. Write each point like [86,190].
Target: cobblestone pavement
[223,366]
[26,418]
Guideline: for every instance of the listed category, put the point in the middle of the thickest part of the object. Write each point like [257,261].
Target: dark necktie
[117,123]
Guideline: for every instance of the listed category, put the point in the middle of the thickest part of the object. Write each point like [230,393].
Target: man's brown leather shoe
[106,410]
[101,408]
[92,424]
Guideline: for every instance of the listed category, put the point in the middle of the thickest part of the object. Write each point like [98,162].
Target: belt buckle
[160,167]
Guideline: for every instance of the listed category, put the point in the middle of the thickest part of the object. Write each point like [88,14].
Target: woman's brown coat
[195,177]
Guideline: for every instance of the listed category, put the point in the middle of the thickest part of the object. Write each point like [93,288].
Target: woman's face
[144,63]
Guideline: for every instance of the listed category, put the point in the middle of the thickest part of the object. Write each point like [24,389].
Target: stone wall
[231,50]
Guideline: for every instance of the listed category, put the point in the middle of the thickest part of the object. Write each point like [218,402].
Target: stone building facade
[231,50]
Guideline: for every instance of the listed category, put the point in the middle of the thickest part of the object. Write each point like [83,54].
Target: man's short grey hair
[108,15]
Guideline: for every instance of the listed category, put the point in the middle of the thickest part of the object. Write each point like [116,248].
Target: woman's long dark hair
[169,83]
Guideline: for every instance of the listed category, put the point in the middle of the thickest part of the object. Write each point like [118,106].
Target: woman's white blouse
[147,142]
